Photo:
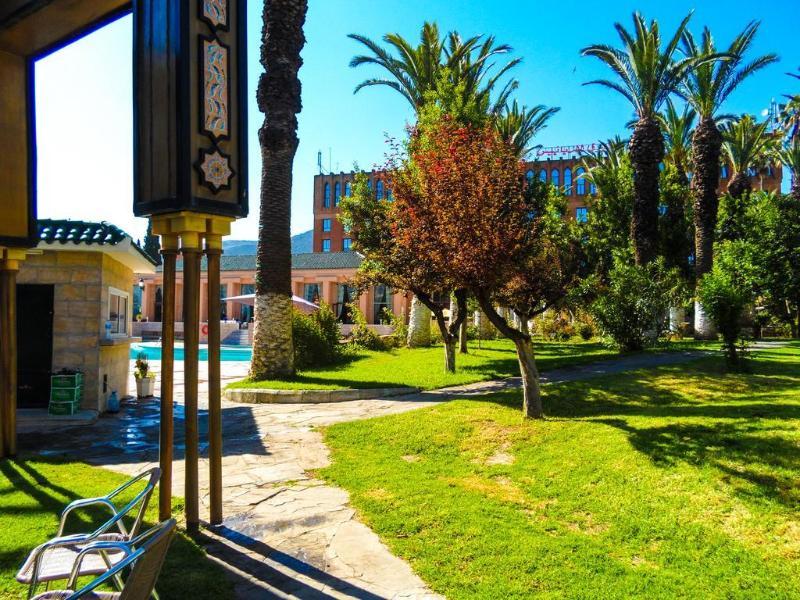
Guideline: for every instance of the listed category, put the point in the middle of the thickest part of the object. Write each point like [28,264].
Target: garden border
[266,396]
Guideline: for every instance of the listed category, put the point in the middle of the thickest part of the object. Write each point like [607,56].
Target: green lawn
[424,367]
[32,495]
[680,482]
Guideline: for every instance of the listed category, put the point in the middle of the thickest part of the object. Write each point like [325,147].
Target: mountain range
[301,244]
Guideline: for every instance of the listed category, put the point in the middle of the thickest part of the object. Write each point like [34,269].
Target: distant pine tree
[152,244]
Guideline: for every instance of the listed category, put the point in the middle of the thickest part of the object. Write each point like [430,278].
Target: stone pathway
[287,534]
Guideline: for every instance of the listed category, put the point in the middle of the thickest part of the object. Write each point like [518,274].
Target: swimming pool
[228,353]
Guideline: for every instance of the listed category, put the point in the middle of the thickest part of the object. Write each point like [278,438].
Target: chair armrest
[83,503]
[96,548]
[115,570]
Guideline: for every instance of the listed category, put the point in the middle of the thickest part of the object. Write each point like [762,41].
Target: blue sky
[84,110]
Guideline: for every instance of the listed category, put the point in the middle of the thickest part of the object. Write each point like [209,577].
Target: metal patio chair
[145,555]
[53,560]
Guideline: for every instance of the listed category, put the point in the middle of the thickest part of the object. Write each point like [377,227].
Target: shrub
[399,330]
[631,307]
[555,326]
[585,330]
[724,300]
[364,337]
[316,338]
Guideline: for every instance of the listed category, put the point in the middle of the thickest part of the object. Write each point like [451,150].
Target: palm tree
[790,116]
[416,73]
[646,74]
[746,145]
[789,156]
[677,128]
[278,97]
[706,88]
[519,125]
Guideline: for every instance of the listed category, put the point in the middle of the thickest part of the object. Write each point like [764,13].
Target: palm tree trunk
[739,185]
[706,147]
[419,325]
[647,152]
[278,97]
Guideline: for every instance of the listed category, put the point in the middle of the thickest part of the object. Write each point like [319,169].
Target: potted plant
[145,378]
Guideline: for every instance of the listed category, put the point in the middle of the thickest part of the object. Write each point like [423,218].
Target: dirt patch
[498,488]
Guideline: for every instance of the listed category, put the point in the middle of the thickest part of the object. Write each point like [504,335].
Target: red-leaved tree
[465,212]
[373,225]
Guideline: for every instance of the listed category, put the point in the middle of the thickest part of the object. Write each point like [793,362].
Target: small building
[74,299]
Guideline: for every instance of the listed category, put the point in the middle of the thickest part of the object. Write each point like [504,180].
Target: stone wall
[80,310]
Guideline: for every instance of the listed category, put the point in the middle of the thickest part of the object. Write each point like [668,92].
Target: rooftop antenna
[319,161]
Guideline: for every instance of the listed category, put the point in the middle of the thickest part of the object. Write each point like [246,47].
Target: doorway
[35,344]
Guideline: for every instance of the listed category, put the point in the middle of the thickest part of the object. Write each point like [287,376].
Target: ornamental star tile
[216,169]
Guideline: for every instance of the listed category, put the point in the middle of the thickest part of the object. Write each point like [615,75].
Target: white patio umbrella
[299,303]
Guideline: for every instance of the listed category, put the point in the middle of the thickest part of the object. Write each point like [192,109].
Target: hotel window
[723,171]
[337,193]
[326,245]
[389,197]
[662,209]
[246,312]
[348,190]
[752,172]
[554,177]
[346,243]
[379,190]
[543,176]
[311,292]
[592,188]
[581,214]
[568,181]
[326,225]
[346,295]
[118,311]
[369,184]
[580,182]
[381,302]
[326,199]
[529,176]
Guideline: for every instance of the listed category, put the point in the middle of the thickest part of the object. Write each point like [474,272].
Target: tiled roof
[65,231]
[79,232]
[311,260]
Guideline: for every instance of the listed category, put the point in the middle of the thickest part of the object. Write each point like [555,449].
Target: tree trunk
[273,348]
[706,147]
[739,185]
[450,354]
[647,152]
[278,97]
[462,330]
[677,315]
[531,393]
[462,338]
[419,325]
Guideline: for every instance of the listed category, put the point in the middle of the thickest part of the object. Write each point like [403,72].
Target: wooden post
[5,353]
[8,356]
[169,252]
[213,252]
[192,252]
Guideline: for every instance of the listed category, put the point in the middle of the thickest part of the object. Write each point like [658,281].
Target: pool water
[227,353]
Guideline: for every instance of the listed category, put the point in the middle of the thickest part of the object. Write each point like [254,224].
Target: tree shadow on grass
[698,415]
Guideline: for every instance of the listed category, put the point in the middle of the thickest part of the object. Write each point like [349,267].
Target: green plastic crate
[63,408]
[66,394]
[67,381]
